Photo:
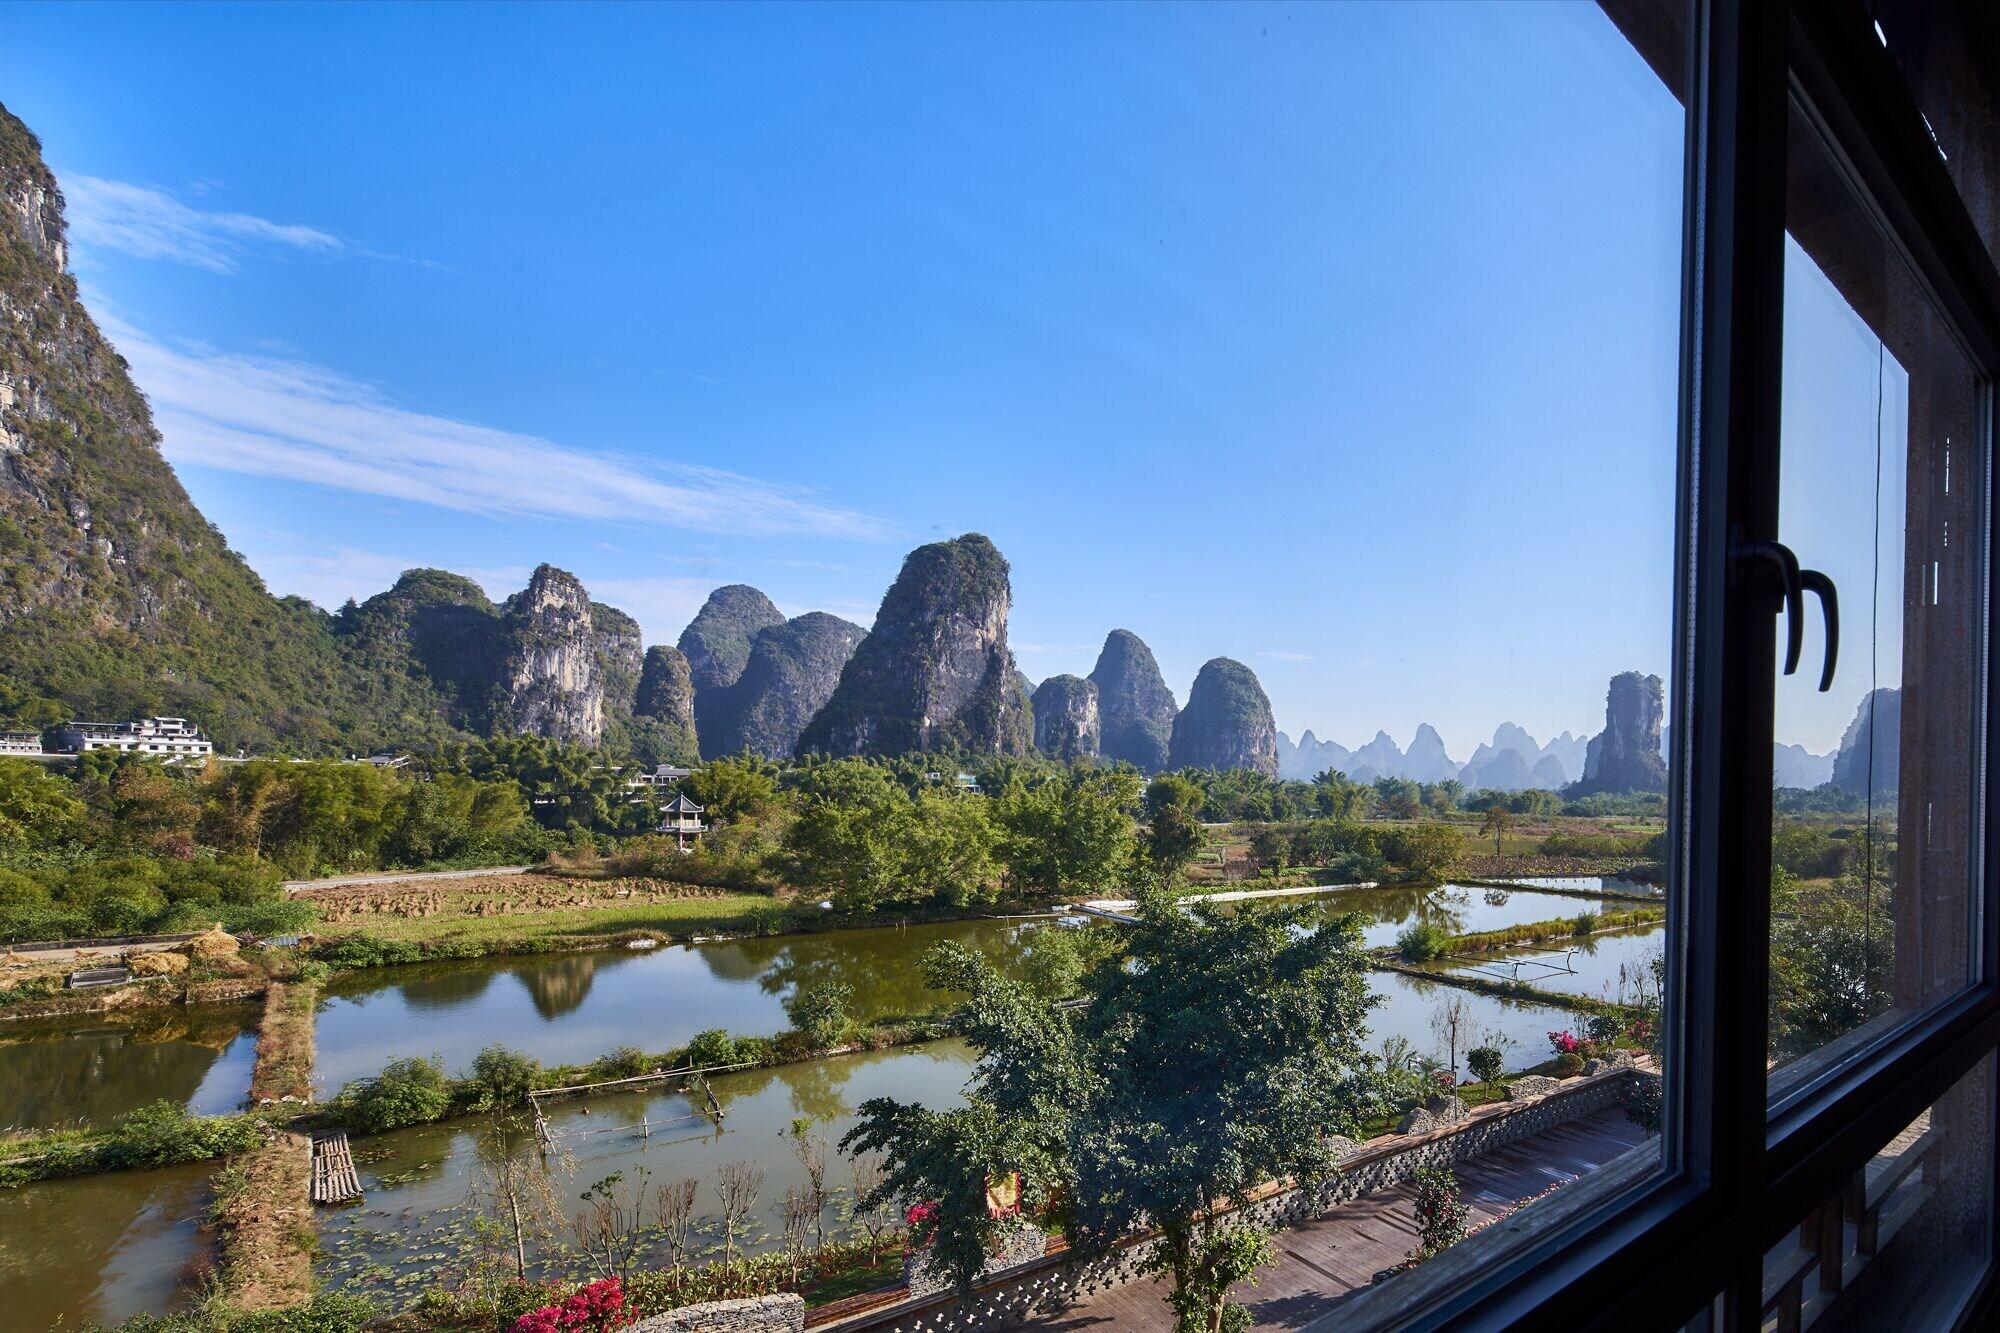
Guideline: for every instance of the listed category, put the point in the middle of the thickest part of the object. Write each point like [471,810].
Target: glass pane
[1874,841]
[1901,1244]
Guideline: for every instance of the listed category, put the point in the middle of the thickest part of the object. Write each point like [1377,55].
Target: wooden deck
[1323,1261]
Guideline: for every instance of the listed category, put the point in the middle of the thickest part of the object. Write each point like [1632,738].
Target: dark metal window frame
[1658,1252]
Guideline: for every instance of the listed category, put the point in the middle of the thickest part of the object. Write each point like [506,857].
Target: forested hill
[117,598]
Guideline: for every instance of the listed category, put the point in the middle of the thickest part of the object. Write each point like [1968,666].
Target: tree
[1399,798]
[513,1189]
[819,1010]
[737,1185]
[1270,848]
[1340,799]
[1499,822]
[1484,1062]
[1173,825]
[1451,1023]
[1832,956]
[1215,1056]
[1427,851]
[37,808]
[1070,831]
[1440,1215]
[735,789]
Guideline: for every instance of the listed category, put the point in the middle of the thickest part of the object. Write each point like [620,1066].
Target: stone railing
[1059,1278]
[782,1313]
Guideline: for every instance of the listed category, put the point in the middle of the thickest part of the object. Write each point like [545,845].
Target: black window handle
[1779,556]
[1829,604]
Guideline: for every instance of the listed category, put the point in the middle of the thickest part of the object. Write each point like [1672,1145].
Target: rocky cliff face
[1067,725]
[661,729]
[620,654]
[116,596]
[717,643]
[1625,756]
[934,671]
[792,672]
[1135,708]
[1227,722]
[1871,748]
[550,684]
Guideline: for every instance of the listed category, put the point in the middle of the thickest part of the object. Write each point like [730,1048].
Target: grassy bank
[1507,990]
[264,1225]
[1560,928]
[285,1044]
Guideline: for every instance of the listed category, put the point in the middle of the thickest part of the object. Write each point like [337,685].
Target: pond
[416,1213]
[1591,884]
[415,1216]
[1602,967]
[1458,909]
[572,1008]
[92,1069]
[100,1249]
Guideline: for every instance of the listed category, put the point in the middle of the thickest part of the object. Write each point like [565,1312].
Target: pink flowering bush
[922,1220]
[1566,1042]
[597,1307]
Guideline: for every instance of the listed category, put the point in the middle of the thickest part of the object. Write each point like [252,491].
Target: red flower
[596,1307]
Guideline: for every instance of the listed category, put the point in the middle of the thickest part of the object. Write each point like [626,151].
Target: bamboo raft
[334,1179]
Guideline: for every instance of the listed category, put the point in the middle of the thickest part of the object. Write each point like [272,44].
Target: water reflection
[95,1069]
[562,986]
[100,1249]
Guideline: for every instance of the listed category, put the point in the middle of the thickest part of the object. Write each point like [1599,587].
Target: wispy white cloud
[276,417]
[147,223]
[1275,655]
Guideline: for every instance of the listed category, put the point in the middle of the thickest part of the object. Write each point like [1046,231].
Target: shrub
[406,1092]
[620,1062]
[1569,1064]
[595,1308]
[163,1133]
[818,1009]
[1643,1108]
[1421,941]
[1484,1062]
[713,1047]
[499,1078]
[1440,1216]
[367,951]
[1583,923]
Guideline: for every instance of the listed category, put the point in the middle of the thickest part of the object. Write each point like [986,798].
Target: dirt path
[303,887]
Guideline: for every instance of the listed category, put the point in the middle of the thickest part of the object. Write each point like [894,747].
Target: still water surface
[101,1248]
[92,1070]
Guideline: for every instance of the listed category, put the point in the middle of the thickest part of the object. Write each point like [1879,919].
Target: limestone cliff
[1227,722]
[1625,756]
[717,643]
[934,672]
[550,683]
[1135,707]
[1870,749]
[792,672]
[1067,725]
[662,727]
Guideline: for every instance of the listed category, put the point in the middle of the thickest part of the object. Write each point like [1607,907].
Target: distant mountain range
[1512,761]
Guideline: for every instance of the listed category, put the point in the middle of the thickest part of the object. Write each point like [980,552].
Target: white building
[172,739]
[21,742]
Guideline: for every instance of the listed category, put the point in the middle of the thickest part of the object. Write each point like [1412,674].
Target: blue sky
[1337,339]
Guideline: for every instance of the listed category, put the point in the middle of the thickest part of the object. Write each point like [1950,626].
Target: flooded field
[1591,884]
[1602,967]
[100,1249]
[1457,909]
[92,1070]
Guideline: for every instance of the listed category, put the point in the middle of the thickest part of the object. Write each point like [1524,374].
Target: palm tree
[1499,822]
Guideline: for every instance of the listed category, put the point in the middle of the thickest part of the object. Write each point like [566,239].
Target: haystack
[214,943]
[159,963]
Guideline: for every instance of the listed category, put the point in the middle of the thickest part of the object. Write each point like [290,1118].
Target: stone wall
[782,1313]
[1056,1280]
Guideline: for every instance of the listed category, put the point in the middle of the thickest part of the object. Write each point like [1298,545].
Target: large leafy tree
[1072,830]
[1216,1054]
[1173,834]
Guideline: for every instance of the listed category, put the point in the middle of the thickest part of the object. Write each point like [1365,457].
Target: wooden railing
[1837,1240]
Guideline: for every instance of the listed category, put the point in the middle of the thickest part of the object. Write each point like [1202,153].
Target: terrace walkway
[1322,1262]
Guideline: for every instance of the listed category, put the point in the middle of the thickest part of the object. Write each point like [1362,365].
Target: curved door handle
[1779,557]
[1829,604]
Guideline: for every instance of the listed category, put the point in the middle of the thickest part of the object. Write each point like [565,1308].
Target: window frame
[1733,1179]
